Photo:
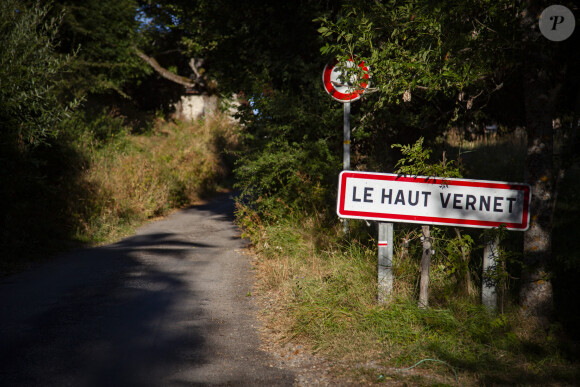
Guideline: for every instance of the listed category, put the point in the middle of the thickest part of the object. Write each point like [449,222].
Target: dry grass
[139,177]
[319,290]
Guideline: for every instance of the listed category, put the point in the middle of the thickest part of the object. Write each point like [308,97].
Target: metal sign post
[385,264]
[488,289]
[346,146]
[346,150]
[345,91]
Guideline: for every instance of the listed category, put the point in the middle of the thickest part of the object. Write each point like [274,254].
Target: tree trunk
[536,289]
[464,276]
[425,264]
[540,87]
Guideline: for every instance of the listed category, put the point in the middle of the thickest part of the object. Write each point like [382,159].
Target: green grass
[326,298]
[321,289]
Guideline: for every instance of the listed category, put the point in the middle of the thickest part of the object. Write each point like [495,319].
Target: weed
[321,290]
[132,178]
[101,180]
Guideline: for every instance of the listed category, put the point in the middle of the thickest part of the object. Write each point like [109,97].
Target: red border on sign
[431,219]
[343,97]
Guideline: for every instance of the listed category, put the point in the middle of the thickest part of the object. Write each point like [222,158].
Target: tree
[241,41]
[415,162]
[30,72]
[454,58]
[546,72]
[103,34]
[31,111]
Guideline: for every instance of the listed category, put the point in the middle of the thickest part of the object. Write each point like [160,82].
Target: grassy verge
[133,178]
[319,289]
[100,180]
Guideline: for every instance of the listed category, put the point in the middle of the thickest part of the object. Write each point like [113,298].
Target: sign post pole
[345,91]
[346,149]
[425,266]
[488,289]
[385,262]
[386,197]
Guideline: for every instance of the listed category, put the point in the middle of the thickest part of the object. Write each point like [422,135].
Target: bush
[34,160]
[290,158]
[30,70]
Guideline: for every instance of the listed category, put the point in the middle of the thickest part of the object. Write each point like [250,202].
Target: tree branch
[163,71]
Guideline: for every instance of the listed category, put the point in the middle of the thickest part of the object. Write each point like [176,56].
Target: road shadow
[222,205]
[158,308]
[118,315]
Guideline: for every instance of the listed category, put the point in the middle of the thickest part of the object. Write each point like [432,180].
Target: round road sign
[342,91]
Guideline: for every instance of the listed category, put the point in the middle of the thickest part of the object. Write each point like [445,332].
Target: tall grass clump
[104,177]
[319,289]
[129,178]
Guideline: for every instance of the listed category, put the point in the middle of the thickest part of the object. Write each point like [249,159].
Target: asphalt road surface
[166,307]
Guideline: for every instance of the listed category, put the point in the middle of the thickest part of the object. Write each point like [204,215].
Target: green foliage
[279,173]
[456,250]
[422,47]
[30,70]
[415,161]
[290,152]
[33,158]
[104,34]
[434,65]
[100,129]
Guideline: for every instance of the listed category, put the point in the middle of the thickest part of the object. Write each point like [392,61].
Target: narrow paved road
[166,307]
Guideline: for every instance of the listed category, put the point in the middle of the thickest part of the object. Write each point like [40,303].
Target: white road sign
[433,200]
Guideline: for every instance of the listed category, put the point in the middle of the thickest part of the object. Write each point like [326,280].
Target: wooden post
[488,289]
[346,149]
[425,264]
[385,262]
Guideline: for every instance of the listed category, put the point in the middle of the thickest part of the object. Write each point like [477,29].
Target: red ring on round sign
[338,95]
